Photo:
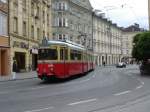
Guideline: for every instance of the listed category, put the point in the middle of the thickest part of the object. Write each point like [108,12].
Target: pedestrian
[104,63]
[14,68]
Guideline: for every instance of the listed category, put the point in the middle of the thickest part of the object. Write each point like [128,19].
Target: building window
[15,6]
[48,21]
[32,8]
[24,5]
[61,6]
[24,28]
[48,36]
[38,12]
[4,1]
[64,22]
[32,31]
[38,33]
[60,36]
[15,24]
[43,16]
[60,22]
[3,24]
[43,34]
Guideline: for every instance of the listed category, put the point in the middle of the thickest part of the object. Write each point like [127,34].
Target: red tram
[61,59]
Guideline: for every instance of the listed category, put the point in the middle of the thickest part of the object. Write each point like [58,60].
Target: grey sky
[124,12]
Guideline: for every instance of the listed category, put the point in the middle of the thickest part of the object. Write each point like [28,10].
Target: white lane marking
[122,93]
[37,88]
[84,80]
[39,110]
[81,102]
[141,81]
[139,87]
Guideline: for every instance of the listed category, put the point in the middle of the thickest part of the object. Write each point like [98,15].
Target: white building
[127,41]
[107,41]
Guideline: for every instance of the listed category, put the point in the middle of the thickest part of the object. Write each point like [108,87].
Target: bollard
[14,75]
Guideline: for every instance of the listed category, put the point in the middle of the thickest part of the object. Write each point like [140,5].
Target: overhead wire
[121,6]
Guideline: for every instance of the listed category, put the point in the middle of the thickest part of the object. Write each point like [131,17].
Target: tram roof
[66,43]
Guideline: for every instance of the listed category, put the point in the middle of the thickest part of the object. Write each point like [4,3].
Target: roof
[65,43]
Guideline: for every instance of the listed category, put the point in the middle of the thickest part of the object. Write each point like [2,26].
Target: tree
[141,48]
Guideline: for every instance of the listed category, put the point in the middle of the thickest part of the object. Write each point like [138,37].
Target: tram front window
[48,54]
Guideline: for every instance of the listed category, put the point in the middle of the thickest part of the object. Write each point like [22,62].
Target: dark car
[121,65]
[145,67]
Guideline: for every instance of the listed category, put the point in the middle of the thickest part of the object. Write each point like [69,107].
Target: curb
[17,79]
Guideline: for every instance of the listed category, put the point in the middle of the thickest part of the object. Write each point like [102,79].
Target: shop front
[4,61]
[4,56]
[20,53]
[21,61]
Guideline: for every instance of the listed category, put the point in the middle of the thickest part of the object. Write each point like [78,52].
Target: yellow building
[30,22]
[4,40]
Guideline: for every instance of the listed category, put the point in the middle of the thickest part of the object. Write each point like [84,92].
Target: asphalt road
[107,89]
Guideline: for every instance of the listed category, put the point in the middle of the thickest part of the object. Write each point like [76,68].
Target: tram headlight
[44,70]
[51,69]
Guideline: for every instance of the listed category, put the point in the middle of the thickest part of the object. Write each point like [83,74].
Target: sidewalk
[19,76]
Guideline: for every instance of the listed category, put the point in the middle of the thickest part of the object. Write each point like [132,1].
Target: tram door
[64,59]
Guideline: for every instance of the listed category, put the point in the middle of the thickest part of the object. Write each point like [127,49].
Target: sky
[124,12]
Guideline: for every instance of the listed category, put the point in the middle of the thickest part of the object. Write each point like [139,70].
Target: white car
[121,65]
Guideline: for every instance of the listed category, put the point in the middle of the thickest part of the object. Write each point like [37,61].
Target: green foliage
[141,48]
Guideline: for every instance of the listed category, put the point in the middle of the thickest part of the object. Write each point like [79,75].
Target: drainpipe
[8,21]
[8,31]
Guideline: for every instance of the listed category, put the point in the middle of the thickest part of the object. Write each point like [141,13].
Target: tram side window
[63,54]
[72,55]
[79,55]
[75,55]
[48,54]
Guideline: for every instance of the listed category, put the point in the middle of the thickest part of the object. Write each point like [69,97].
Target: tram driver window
[48,54]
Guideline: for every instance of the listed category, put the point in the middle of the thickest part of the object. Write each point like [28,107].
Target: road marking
[141,81]
[81,102]
[139,87]
[84,80]
[38,110]
[122,93]
[36,88]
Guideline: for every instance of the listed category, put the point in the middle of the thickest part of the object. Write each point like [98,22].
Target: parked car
[145,67]
[121,65]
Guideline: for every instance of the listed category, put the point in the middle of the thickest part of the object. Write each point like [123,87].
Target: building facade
[127,41]
[72,20]
[149,12]
[4,39]
[30,22]
[127,45]
[107,41]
